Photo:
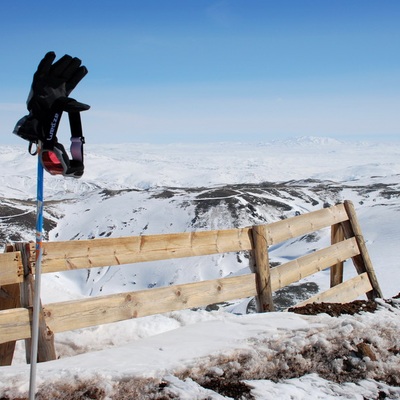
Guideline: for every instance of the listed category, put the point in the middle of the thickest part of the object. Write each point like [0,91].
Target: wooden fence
[17,268]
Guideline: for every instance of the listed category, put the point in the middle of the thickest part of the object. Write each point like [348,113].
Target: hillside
[139,189]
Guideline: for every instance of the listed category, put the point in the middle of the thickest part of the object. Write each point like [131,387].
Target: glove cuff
[28,128]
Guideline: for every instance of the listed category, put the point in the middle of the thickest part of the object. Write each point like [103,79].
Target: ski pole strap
[53,155]
[77,139]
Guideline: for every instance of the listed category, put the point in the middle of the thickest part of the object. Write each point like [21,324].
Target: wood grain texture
[118,307]
[295,270]
[11,269]
[342,293]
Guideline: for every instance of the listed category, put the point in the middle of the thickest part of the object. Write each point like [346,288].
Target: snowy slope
[138,189]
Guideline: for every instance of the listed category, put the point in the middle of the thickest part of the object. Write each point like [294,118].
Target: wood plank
[11,269]
[337,235]
[9,299]
[305,223]
[264,299]
[77,314]
[366,260]
[342,293]
[46,349]
[301,267]
[61,256]
[357,260]
[14,325]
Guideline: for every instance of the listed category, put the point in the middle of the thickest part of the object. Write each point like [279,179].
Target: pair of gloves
[52,84]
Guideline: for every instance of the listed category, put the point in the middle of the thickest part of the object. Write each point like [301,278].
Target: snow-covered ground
[181,354]
[280,355]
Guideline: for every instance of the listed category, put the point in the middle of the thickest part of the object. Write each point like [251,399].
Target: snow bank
[277,355]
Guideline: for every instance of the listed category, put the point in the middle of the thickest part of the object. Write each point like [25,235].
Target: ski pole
[36,297]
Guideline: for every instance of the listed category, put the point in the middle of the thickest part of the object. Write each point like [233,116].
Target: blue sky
[164,71]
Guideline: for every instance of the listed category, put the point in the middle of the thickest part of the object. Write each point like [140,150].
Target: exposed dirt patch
[335,309]
[235,390]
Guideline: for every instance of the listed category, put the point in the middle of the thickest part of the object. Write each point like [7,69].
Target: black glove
[48,98]
[52,82]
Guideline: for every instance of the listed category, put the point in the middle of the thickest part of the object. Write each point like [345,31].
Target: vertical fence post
[362,262]
[9,298]
[46,348]
[263,278]
[337,235]
[26,289]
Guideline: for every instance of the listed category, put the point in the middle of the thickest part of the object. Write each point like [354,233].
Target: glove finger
[69,105]
[75,106]
[59,66]
[76,78]
[45,65]
[71,68]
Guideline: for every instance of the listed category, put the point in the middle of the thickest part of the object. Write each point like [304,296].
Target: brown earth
[336,309]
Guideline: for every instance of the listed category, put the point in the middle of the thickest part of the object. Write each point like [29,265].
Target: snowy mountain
[137,189]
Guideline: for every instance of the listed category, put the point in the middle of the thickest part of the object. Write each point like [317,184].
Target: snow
[279,355]
[142,166]
[207,344]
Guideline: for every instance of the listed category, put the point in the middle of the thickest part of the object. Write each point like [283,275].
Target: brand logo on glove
[53,126]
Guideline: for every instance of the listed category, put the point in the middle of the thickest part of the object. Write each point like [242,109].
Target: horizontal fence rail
[63,256]
[303,224]
[295,270]
[112,308]
[15,320]
[342,293]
